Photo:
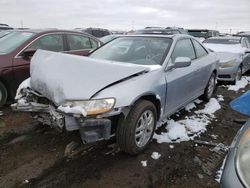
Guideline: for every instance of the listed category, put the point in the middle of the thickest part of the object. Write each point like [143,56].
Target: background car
[18,46]
[123,88]
[244,34]
[203,34]
[234,54]
[161,31]
[5,27]
[97,32]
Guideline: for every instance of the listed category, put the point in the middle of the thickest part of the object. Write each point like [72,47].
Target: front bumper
[91,129]
[227,74]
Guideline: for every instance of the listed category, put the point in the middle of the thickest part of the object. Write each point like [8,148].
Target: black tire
[3,94]
[208,93]
[238,76]
[126,130]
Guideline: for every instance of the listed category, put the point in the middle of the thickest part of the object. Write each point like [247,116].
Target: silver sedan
[234,54]
[123,88]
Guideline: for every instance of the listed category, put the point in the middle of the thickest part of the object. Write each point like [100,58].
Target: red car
[17,47]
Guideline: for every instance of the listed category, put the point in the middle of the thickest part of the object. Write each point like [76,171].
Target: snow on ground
[220,98]
[24,84]
[144,163]
[191,126]
[155,155]
[219,172]
[245,80]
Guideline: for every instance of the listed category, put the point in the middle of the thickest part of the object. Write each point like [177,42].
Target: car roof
[226,37]
[174,36]
[47,31]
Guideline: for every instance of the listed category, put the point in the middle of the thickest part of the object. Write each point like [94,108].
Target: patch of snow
[210,108]
[220,98]
[198,101]
[190,106]
[214,136]
[73,110]
[220,171]
[22,102]
[24,84]
[171,146]
[144,163]
[155,155]
[190,127]
[245,80]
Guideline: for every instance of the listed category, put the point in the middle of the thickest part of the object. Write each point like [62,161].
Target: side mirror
[181,62]
[28,53]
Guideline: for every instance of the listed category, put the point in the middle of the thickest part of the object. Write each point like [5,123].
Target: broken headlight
[243,159]
[91,107]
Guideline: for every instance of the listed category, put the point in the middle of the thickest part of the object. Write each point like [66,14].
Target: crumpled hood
[61,77]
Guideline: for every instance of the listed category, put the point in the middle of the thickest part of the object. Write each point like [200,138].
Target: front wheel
[209,91]
[135,132]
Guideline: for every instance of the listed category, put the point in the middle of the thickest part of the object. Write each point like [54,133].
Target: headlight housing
[230,63]
[243,159]
[88,107]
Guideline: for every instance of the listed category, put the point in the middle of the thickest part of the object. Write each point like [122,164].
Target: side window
[52,42]
[94,43]
[78,42]
[200,51]
[183,48]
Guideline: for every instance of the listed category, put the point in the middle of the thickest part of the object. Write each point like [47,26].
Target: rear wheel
[135,132]
[3,94]
[210,88]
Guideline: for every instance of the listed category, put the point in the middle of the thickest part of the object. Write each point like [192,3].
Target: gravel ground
[32,155]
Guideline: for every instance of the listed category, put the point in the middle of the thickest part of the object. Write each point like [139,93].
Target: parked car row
[164,68]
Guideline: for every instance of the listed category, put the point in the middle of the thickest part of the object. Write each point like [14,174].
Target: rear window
[222,41]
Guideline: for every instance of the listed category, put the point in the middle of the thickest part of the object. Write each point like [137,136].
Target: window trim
[68,46]
[202,47]
[186,38]
[34,40]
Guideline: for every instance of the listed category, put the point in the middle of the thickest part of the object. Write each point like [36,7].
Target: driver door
[180,81]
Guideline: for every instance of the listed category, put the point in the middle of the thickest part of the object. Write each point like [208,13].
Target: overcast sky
[127,14]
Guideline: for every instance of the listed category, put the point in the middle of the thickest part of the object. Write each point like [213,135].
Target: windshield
[3,33]
[222,41]
[11,41]
[108,38]
[137,50]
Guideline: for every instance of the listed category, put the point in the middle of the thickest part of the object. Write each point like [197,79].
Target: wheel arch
[152,98]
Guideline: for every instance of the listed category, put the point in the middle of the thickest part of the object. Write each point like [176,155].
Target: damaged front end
[66,117]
